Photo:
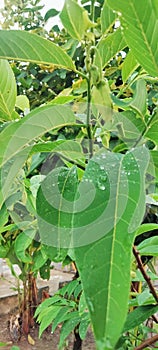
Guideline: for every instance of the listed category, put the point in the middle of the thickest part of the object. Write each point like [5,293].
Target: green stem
[89,130]
[92,11]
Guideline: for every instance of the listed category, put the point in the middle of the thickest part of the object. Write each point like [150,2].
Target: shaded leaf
[22,242]
[138,316]
[50,13]
[129,65]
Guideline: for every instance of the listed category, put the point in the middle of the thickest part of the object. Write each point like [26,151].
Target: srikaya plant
[92,207]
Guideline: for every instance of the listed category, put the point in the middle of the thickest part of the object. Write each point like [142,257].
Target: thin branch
[146,277]
[147,342]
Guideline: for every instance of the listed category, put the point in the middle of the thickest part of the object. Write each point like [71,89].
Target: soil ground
[47,342]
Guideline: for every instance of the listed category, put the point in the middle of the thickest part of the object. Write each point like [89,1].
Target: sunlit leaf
[141,37]
[25,46]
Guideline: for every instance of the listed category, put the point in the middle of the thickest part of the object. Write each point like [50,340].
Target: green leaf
[95,218]
[56,191]
[149,246]
[109,46]
[16,139]
[46,303]
[75,19]
[138,316]
[24,46]
[68,148]
[139,100]
[60,317]
[129,65]
[83,327]
[108,18]
[135,17]
[104,265]
[67,328]
[146,228]
[39,259]
[50,13]
[48,318]
[22,102]
[22,242]
[8,91]
[152,130]
[101,100]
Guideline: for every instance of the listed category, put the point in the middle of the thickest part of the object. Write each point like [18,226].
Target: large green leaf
[24,46]
[17,139]
[104,265]
[98,218]
[139,20]
[109,46]
[75,19]
[8,91]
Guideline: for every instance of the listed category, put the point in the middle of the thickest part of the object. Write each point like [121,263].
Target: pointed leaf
[104,265]
[109,46]
[138,316]
[25,46]
[7,91]
[135,17]
[67,328]
[108,18]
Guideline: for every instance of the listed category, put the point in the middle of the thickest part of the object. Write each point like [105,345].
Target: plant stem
[92,11]
[147,342]
[146,277]
[89,131]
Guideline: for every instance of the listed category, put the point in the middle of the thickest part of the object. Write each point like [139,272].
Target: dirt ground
[47,342]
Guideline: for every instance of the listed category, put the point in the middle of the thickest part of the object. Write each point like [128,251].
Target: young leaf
[104,263]
[109,46]
[75,19]
[135,17]
[8,91]
[108,18]
[22,102]
[25,46]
